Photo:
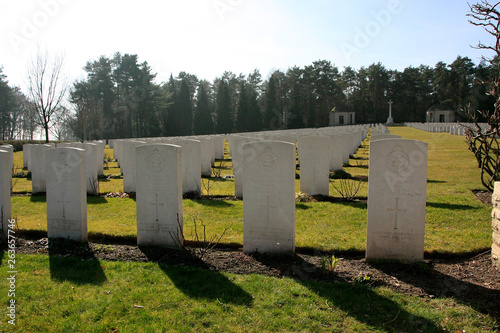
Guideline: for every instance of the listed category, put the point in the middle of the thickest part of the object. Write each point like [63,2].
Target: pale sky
[208,37]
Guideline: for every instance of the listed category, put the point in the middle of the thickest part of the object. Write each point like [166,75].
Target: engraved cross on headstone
[63,202]
[156,204]
[268,206]
[396,210]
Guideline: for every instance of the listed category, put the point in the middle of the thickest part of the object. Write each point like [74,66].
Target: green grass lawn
[59,294]
[65,294]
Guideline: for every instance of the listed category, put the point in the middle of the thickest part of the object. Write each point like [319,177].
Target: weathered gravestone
[206,151]
[92,181]
[495,224]
[314,164]
[159,195]
[237,157]
[66,194]
[10,150]
[191,165]
[336,153]
[128,163]
[26,155]
[269,197]
[37,159]
[5,186]
[397,183]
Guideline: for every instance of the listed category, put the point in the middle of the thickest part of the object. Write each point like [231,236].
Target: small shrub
[348,188]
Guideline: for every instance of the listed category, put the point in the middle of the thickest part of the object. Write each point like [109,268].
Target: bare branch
[46,89]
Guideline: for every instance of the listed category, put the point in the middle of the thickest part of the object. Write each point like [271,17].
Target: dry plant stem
[209,244]
[348,188]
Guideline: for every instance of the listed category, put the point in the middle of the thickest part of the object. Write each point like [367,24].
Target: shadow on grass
[65,267]
[214,203]
[444,286]
[96,200]
[450,206]
[196,280]
[38,197]
[357,301]
[91,200]
[300,205]
[430,181]
[99,237]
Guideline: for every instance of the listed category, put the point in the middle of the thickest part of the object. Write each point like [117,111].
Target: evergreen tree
[254,114]
[184,110]
[223,109]
[271,118]
[243,107]
[173,120]
[203,123]
[295,119]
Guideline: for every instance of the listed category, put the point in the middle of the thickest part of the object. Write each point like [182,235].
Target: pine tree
[243,107]
[173,122]
[203,123]
[254,114]
[295,119]
[223,109]
[184,110]
[270,112]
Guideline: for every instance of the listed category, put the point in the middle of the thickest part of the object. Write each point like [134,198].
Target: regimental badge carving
[397,160]
[61,162]
[267,160]
[156,162]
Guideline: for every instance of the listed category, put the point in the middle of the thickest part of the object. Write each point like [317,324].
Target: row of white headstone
[396,199]
[451,128]
[34,159]
[320,151]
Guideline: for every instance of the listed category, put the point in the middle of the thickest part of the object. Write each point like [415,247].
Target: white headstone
[207,147]
[336,153]
[128,164]
[397,183]
[159,195]
[37,158]
[269,197]
[191,165]
[5,186]
[314,165]
[238,161]
[92,182]
[101,145]
[26,155]
[66,194]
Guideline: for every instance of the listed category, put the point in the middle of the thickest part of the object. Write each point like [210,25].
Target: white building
[440,113]
[339,118]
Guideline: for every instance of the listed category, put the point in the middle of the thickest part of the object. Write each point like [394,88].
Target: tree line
[119,98]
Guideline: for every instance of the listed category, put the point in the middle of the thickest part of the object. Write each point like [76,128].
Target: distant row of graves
[161,170]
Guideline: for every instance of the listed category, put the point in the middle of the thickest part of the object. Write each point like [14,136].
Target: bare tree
[47,90]
[484,140]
